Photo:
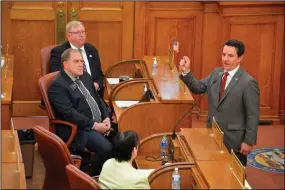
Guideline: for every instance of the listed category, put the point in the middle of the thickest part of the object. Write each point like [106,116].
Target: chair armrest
[73,129]
[77,160]
[96,177]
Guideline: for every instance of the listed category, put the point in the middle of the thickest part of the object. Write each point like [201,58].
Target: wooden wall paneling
[157,24]
[262,57]
[281,97]
[109,27]
[211,49]
[5,26]
[31,26]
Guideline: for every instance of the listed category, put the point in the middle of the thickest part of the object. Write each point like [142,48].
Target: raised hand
[184,64]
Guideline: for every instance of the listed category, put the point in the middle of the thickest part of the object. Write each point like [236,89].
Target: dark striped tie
[84,65]
[90,100]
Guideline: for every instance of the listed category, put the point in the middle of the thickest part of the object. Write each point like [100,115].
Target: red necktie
[223,84]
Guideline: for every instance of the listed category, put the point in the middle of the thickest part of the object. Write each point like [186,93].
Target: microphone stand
[195,103]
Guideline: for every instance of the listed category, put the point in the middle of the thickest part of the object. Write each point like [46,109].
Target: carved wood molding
[251,8]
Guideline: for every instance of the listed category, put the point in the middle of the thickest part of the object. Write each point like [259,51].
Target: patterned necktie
[90,100]
[84,65]
[223,84]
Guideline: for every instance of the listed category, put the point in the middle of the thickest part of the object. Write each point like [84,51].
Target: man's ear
[64,64]
[240,58]
[67,35]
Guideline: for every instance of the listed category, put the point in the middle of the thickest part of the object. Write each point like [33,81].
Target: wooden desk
[10,178]
[6,102]
[202,145]
[9,146]
[30,122]
[13,171]
[160,114]
[195,146]
[8,66]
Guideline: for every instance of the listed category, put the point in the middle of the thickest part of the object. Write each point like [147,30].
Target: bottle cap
[155,62]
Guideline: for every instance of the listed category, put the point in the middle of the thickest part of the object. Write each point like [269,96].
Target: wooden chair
[80,180]
[133,68]
[161,177]
[55,156]
[45,65]
[44,83]
[45,59]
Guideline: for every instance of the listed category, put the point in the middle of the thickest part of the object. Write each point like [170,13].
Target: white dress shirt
[83,52]
[230,76]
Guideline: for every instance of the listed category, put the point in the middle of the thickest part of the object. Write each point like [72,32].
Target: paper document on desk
[146,172]
[114,80]
[125,103]
[247,185]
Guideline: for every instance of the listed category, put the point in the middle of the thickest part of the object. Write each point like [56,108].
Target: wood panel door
[159,23]
[260,26]
[26,28]
[263,56]
[29,26]
[109,27]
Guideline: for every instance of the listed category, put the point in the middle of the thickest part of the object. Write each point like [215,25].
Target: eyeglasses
[78,33]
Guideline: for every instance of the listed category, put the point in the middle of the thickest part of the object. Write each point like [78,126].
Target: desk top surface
[167,81]
[10,147]
[11,178]
[8,67]
[218,174]
[202,145]
[6,87]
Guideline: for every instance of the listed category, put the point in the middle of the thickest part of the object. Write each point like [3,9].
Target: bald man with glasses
[75,33]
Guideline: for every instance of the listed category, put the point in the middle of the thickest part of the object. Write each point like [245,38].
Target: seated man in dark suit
[74,99]
[75,33]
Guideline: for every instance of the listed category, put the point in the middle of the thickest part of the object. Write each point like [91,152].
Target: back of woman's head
[124,143]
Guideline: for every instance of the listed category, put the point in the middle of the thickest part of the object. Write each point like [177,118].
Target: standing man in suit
[74,99]
[233,97]
[75,33]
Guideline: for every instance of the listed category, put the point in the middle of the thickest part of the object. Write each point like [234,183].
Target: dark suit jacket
[93,59]
[70,105]
[237,112]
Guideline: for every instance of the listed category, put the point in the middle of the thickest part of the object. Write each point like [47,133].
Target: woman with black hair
[118,172]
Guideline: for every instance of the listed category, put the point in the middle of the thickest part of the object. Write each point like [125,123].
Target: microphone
[195,103]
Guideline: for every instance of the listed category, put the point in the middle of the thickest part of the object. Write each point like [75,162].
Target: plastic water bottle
[176,179]
[154,67]
[164,149]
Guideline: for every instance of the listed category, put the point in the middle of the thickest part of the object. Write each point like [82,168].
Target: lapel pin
[90,55]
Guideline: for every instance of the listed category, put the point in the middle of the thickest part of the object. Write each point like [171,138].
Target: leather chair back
[79,179]
[44,83]
[55,156]
[45,59]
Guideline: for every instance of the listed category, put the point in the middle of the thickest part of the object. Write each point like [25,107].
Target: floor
[268,136]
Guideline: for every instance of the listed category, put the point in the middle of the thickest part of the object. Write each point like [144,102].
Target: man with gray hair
[76,36]
[74,99]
